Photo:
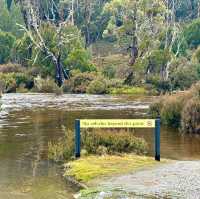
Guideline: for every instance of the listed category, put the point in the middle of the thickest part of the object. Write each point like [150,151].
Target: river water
[29,121]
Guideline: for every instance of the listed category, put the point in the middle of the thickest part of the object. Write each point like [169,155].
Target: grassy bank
[91,168]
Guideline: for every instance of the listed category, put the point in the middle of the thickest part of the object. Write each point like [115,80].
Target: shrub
[190,122]
[47,85]
[80,59]
[113,141]
[183,77]
[169,108]
[180,109]
[81,81]
[97,87]
[8,82]
[97,142]
[155,109]
[171,111]
[160,85]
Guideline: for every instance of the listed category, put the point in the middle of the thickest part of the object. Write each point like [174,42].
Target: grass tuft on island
[89,168]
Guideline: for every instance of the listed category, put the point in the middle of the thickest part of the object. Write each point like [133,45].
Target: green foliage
[22,50]
[115,142]
[79,59]
[10,19]
[8,82]
[192,33]
[47,85]
[98,86]
[97,142]
[6,43]
[73,55]
[158,83]
[171,112]
[183,77]
[186,9]
[109,72]
[80,81]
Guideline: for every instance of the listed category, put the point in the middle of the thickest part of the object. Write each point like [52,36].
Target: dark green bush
[183,74]
[6,43]
[79,59]
[159,84]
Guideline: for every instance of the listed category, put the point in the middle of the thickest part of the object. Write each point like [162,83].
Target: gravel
[175,180]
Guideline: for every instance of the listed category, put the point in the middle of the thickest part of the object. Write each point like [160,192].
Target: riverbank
[89,171]
[175,179]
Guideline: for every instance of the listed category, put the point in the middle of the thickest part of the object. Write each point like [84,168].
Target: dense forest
[99,46]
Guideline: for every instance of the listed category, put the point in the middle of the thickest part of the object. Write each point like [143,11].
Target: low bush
[80,81]
[8,82]
[98,86]
[97,142]
[190,122]
[171,111]
[47,85]
[180,110]
[162,86]
[183,77]
[112,142]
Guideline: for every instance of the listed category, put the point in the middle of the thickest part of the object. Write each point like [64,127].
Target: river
[29,121]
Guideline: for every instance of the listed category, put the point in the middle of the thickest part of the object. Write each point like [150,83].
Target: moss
[92,167]
[128,90]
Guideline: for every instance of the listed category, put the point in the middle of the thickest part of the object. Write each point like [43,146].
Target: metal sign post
[135,123]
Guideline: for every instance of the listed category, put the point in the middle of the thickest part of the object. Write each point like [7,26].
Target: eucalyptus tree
[146,28]
[50,33]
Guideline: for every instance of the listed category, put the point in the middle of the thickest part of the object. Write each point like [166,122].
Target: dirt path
[175,180]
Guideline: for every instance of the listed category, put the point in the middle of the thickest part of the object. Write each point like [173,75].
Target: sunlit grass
[128,90]
[91,167]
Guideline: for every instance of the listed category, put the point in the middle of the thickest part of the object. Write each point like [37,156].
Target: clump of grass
[63,149]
